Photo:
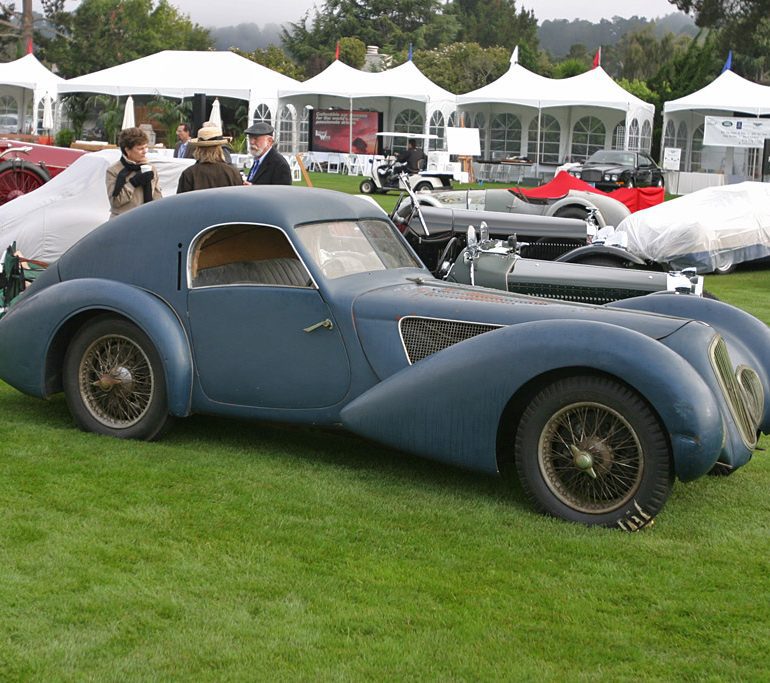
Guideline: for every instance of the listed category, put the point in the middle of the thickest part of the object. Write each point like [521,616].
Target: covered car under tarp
[635,198]
[712,229]
[47,222]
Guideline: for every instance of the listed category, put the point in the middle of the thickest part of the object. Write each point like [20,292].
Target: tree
[495,23]
[103,33]
[743,26]
[462,67]
[273,57]
[391,24]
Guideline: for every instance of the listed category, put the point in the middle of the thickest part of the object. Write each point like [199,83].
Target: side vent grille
[424,336]
[735,392]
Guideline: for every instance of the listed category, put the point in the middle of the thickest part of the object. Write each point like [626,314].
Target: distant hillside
[246,37]
[557,36]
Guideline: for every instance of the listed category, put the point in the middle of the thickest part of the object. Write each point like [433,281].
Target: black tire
[114,382]
[631,183]
[422,186]
[19,177]
[571,212]
[617,473]
[367,187]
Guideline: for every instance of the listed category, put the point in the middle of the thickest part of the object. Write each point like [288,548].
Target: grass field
[234,551]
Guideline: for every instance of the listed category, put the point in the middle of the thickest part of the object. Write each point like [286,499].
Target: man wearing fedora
[210,168]
[269,167]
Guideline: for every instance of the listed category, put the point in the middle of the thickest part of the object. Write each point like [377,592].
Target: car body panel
[345,347]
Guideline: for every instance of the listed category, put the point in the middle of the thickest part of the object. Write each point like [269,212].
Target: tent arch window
[480,122]
[304,131]
[696,150]
[550,137]
[463,119]
[669,136]
[262,114]
[633,135]
[645,140]
[505,136]
[436,128]
[619,136]
[9,114]
[408,121]
[286,117]
[588,136]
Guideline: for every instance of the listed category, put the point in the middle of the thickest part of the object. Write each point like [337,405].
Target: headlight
[614,177]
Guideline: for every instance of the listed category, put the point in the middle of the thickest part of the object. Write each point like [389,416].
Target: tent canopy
[340,80]
[728,92]
[519,86]
[180,73]
[28,72]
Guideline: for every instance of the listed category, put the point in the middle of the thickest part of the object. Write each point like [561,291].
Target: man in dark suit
[269,167]
[183,149]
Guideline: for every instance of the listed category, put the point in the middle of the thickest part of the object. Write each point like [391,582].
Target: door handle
[327,324]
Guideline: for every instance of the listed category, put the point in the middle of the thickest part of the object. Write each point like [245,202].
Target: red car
[25,166]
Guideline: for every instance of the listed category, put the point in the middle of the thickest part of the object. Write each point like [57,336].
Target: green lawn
[237,551]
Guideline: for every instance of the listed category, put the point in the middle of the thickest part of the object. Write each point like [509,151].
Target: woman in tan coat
[210,169]
[131,181]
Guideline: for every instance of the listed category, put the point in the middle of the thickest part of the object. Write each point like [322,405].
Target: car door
[645,166]
[270,343]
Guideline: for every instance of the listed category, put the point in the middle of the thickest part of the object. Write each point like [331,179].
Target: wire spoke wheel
[591,458]
[18,178]
[116,381]
[589,449]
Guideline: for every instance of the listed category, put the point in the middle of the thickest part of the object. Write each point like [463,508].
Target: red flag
[598,57]
[337,51]
[30,49]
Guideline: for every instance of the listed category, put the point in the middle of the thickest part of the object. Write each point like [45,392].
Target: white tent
[389,92]
[727,95]
[181,74]
[526,96]
[23,75]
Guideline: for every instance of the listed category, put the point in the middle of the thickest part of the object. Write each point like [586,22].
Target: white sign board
[672,158]
[733,131]
[463,141]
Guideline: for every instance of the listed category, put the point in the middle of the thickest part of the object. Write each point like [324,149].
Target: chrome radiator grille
[591,176]
[737,397]
[586,295]
[424,336]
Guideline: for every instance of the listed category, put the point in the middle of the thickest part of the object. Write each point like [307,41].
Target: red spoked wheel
[19,177]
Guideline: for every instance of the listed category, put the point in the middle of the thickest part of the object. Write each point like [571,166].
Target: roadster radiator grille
[738,398]
[591,176]
[548,250]
[586,295]
[423,337]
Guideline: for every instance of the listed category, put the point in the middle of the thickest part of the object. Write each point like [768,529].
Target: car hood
[604,168]
[378,315]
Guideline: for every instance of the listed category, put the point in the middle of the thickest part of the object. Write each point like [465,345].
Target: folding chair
[334,163]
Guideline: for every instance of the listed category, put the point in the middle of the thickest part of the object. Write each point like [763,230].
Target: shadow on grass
[204,436]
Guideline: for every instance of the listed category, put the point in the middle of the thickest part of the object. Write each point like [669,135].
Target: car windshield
[342,248]
[606,156]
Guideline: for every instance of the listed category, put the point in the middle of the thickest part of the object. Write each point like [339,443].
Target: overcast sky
[231,12]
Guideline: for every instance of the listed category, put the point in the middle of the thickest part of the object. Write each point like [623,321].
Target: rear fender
[621,255]
[576,202]
[448,406]
[34,335]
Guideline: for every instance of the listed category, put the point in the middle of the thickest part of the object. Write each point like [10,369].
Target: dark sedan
[612,169]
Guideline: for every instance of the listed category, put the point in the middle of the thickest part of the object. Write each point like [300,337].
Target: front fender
[576,255]
[448,406]
[748,338]
[570,201]
[35,333]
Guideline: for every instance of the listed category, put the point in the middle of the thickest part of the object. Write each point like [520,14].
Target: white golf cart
[386,175]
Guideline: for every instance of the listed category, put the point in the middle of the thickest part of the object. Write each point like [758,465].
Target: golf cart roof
[416,136]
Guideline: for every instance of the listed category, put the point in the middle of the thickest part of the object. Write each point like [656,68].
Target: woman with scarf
[131,181]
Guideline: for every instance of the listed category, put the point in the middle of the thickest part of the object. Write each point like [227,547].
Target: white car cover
[47,222]
[712,229]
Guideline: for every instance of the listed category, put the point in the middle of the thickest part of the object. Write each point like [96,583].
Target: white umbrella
[216,115]
[128,114]
[47,113]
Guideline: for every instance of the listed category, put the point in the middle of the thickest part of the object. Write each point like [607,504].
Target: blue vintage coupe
[308,306]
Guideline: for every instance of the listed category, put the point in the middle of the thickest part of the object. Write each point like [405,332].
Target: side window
[644,161]
[245,254]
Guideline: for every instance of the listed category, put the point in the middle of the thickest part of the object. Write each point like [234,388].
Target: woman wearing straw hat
[210,169]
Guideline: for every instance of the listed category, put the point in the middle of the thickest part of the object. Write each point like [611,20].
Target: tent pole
[537,153]
[350,127]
